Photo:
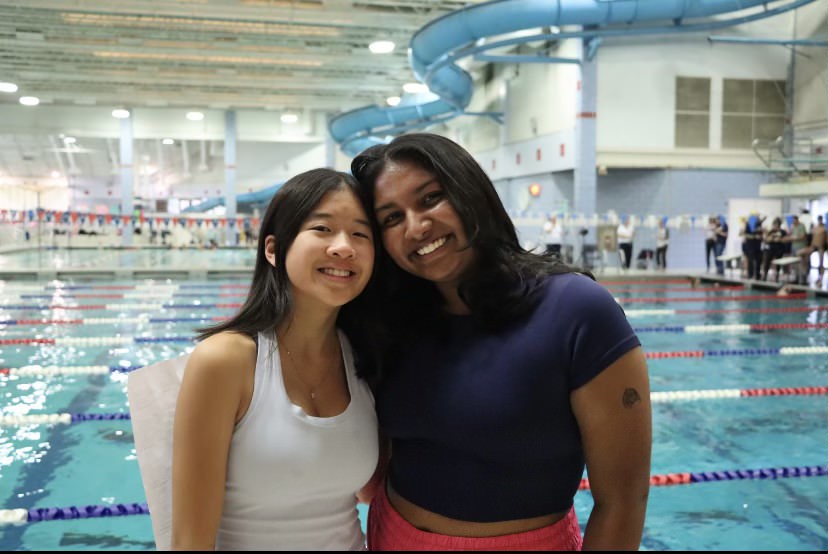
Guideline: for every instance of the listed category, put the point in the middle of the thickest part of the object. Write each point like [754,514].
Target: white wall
[636,98]
[542,97]
[542,154]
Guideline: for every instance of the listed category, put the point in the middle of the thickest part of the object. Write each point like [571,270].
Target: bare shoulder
[223,358]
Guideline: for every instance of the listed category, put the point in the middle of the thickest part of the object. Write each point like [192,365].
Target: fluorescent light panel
[381,47]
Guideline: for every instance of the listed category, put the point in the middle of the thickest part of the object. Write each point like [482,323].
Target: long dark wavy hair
[269,301]
[506,278]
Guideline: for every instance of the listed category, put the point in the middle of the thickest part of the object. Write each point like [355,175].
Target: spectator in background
[553,235]
[249,236]
[624,234]
[773,246]
[662,240]
[805,219]
[819,242]
[710,241]
[721,242]
[752,245]
[797,235]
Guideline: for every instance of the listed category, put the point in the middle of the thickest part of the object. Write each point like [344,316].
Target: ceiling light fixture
[415,88]
[167,141]
[381,47]
[8,87]
[195,116]
[392,100]
[29,100]
[69,140]
[120,113]
[289,118]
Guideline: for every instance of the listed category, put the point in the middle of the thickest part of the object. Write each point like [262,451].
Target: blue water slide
[434,49]
[246,200]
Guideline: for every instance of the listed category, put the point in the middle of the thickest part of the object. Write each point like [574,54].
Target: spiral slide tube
[435,48]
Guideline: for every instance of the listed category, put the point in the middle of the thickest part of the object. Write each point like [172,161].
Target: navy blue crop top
[481,424]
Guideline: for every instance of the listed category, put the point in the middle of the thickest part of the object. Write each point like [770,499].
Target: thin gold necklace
[313,389]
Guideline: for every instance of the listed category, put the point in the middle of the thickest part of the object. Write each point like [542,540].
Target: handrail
[764,160]
[801,160]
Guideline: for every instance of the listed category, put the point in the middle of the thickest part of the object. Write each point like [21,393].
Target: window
[752,110]
[692,112]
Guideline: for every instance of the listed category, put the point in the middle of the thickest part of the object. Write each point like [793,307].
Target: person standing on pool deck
[721,243]
[274,432]
[710,241]
[553,235]
[507,375]
[625,232]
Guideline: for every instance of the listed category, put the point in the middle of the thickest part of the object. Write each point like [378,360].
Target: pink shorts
[387,530]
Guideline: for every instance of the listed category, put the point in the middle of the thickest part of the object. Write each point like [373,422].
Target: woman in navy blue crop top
[507,373]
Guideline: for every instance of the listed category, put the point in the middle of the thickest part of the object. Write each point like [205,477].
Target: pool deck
[237,271]
[704,277]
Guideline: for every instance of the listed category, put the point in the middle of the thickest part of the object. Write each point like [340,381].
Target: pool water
[138,258]
[94,462]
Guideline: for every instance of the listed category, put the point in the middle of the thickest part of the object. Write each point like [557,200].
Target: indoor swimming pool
[737,379]
[49,259]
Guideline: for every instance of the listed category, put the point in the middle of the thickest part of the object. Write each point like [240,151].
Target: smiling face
[330,261]
[421,230]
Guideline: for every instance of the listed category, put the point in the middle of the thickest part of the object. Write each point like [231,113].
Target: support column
[230,175]
[127,179]
[330,144]
[585,177]
[788,138]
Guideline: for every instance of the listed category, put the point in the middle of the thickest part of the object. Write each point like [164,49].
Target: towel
[152,392]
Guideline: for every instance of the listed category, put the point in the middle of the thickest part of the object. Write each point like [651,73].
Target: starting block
[787,261]
[728,259]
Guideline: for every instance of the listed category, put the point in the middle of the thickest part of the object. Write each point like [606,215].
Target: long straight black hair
[269,300]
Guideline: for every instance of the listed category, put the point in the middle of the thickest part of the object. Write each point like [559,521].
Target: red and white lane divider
[647,282]
[106,341]
[142,319]
[667,311]
[9,287]
[686,288]
[95,341]
[679,395]
[142,308]
[729,328]
[732,298]
[783,351]
[50,370]
[154,295]
[19,420]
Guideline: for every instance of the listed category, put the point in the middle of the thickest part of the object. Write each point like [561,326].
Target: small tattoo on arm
[630,398]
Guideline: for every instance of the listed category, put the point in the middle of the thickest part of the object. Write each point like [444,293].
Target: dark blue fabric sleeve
[599,332]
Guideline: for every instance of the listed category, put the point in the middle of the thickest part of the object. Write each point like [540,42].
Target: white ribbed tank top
[291,477]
